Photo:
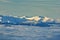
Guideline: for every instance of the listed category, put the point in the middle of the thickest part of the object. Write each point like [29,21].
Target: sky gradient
[49,8]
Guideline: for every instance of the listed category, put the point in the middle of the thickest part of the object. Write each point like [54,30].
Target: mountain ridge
[29,21]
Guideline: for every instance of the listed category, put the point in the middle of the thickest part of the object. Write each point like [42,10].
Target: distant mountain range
[29,21]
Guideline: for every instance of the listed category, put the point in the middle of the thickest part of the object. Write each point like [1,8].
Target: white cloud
[58,20]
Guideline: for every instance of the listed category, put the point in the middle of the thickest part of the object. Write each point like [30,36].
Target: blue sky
[50,8]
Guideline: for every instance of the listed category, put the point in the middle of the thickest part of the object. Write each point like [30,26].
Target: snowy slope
[30,21]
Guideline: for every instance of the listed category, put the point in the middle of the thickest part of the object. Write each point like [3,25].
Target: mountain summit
[29,21]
